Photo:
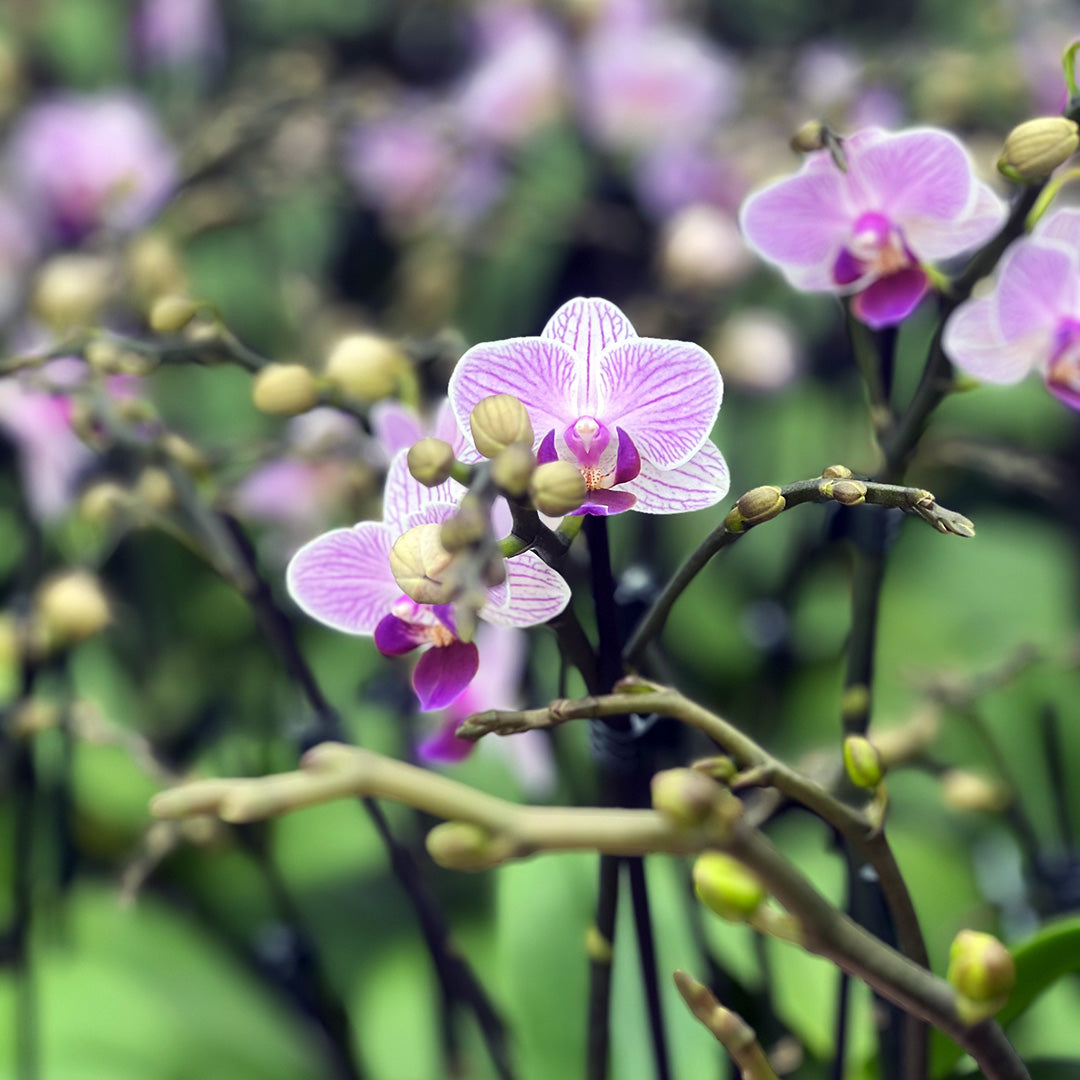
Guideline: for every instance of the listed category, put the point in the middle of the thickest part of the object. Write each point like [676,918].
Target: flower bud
[755,506]
[809,137]
[684,796]
[170,314]
[430,461]
[983,972]
[965,790]
[557,488]
[498,421]
[469,525]
[417,561]
[183,453]
[71,291]
[102,501]
[366,366]
[512,469]
[845,492]
[460,845]
[284,389]
[863,762]
[726,887]
[154,488]
[837,472]
[1034,149]
[72,607]
[154,266]
[720,767]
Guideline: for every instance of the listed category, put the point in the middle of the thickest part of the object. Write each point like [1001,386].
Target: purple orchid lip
[587,439]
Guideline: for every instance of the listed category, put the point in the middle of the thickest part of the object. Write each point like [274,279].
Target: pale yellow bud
[155,488]
[469,525]
[460,845]
[685,796]
[965,790]
[418,560]
[727,887]
[366,366]
[1034,149]
[557,488]
[183,453]
[171,313]
[499,421]
[430,461]
[755,506]
[809,137]
[154,266]
[72,607]
[102,501]
[284,389]
[71,291]
[512,469]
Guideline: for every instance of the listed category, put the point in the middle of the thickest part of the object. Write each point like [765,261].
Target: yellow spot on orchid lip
[440,635]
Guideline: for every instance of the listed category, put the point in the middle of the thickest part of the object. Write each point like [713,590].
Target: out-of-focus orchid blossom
[343,579]
[83,162]
[179,33]
[643,78]
[517,84]
[396,426]
[503,652]
[633,414]
[18,246]
[1030,321]
[906,199]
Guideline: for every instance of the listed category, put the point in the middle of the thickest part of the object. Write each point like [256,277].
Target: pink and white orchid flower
[343,579]
[906,198]
[1030,321]
[633,414]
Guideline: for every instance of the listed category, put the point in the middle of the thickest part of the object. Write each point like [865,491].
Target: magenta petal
[890,300]
[546,451]
[394,636]
[800,221]
[847,268]
[606,501]
[343,577]
[544,374]
[665,393]
[442,673]
[922,173]
[973,342]
[444,746]
[628,461]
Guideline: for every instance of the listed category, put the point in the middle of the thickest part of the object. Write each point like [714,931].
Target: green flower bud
[460,845]
[72,607]
[512,469]
[726,887]
[1034,149]
[430,461]
[983,972]
[284,390]
[685,796]
[170,314]
[557,488]
[863,762]
[499,421]
[367,367]
[418,560]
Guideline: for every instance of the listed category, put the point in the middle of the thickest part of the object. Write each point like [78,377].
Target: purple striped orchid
[906,198]
[633,414]
[343,579]
[1030,321]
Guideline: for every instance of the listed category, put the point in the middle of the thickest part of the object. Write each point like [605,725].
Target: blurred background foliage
[442,173]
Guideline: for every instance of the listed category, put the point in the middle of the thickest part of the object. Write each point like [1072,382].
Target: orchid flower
[343,579]
[633,414]
[1031,318]
[906,198]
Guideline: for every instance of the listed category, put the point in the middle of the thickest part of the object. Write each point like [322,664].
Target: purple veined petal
[1063,225]
[343,577]
[442,673]
[919,173]
[395,637]
[702,482]
[403,496]
[396,426]
[931,238]
[446,427]
[606,501]
[891,299]
[588,326]
[800,221]
[444,747]
[533,594]
[666,394]
[973,342]
[434,513]
[1037,286]
[542,373]
[628,460]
